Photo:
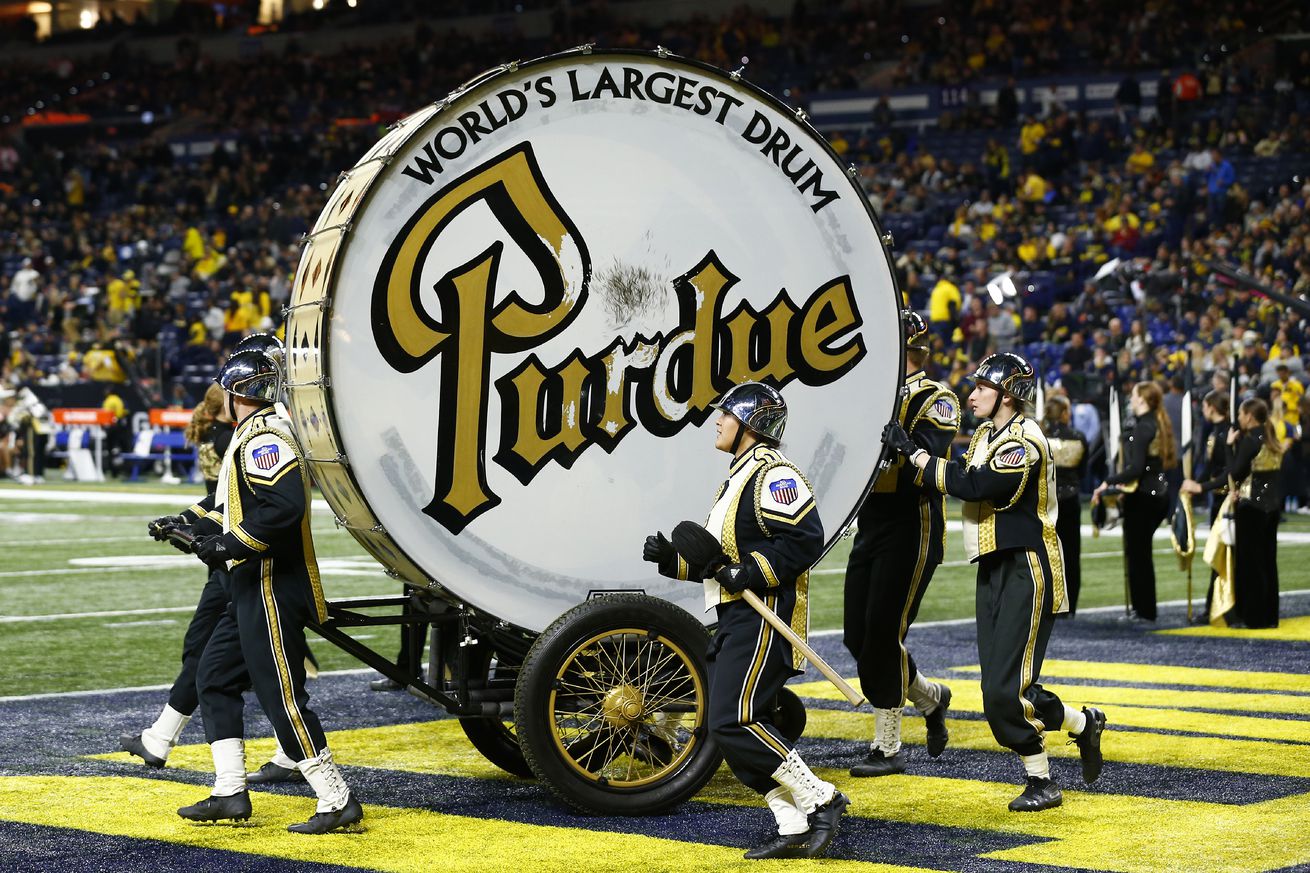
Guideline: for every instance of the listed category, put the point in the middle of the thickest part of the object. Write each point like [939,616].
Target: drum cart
[599,693]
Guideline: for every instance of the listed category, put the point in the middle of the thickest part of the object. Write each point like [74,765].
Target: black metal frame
[455,631]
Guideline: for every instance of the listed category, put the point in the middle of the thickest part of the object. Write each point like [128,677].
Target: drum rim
[796,116]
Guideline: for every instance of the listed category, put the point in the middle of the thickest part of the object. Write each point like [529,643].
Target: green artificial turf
[57,557]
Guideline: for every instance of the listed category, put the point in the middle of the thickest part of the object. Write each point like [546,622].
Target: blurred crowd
[1084,243]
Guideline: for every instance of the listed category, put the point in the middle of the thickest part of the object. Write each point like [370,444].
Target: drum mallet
[704,553]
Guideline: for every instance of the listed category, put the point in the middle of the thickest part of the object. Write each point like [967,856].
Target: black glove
[182,538]
[896,438]
[212,550]
[658,549]
[160,527]
[736,578]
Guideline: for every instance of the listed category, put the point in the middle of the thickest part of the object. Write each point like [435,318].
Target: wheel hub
[623,706]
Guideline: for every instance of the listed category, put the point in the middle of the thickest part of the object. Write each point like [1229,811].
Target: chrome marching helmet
[1009,374]
[253,375]
[915,330]
[759,407]
[266,343]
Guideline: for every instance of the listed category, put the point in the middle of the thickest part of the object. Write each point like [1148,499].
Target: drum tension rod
[322,303]
[339,459]
[345,228]
[320,382]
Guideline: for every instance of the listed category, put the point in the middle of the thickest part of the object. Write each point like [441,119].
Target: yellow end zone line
[1296,630]
[395,839]
[1160,674]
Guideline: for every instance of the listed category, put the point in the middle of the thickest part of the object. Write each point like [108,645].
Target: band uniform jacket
[1217,459]
[1143,469]
[1069,452]
[1255,469]
[1007,481]
[261,504]
[766,518]
[930,413]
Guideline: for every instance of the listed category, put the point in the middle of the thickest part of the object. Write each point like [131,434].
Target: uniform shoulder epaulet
[941,408]
[782,494]
[267,453]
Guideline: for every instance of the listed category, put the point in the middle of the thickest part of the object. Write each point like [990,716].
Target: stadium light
[1002,287]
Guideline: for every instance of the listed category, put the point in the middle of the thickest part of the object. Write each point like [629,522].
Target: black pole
[1293,303]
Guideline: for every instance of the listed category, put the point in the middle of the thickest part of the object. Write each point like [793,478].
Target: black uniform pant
[748,665]
[1069,527]
[1255,566]
[213,603]
[886,576]
[1142,514]
[259,643]
[1014,624]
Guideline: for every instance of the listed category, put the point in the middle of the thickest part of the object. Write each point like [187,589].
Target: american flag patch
[944,408]
[1011,457]
[784,491]
[265,457]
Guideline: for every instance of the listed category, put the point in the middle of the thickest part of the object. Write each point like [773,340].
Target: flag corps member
[263,500]
[1007,481]
[766,519]
[900,542]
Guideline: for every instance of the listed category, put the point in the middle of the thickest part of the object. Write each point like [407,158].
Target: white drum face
[545,288]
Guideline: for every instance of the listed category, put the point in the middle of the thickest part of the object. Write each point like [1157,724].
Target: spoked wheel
[493,736]
[611,706]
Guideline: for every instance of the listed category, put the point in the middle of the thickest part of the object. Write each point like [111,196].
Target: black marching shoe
[233,806]
[323,822]
[937,732]
[877,763]
[823,825]
[1039,794]
[270,773]
[781,846]
[1089,743]
[132,745]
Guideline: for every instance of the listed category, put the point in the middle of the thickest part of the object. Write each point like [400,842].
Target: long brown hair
[205,414]
[1057,411]
[1154,397]
[1259,410]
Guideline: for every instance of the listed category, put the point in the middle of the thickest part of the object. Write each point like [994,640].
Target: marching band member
[765,517]
[900,541]
[1007,481]
[1069,452]
[1257,461]
[1148,451]
[1215,409]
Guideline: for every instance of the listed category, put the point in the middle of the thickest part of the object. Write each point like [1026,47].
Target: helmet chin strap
[736,441]
[232,406]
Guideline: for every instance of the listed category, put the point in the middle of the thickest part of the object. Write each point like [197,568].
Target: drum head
[515,311]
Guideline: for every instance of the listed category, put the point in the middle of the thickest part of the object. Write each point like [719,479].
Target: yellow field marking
[1157,674]
[395,839]
[436,747]
[1295,630]
[1097,831]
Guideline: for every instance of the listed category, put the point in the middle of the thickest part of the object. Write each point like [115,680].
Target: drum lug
[801,114]
[339,459]
[735,75]
[512,67]
[585,48]
[320,382]
[852,171]
[662,52]
[888,240]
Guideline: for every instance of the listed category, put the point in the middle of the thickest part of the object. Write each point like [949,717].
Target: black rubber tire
[789,714]
[662,622]
[495,739]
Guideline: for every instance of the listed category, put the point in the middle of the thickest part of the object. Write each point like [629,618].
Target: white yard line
[158,568]
[97,691]
[1094,610]
[139,623]
[115,613]
[838,571]
[181,499]
[4,544]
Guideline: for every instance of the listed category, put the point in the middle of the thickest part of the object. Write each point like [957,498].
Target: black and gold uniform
[899,543]
[261,511]
[1217,461]
[1255,469]
[765,517]
[1069,453]
[1007,482]
[1145,502]
[263,501]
